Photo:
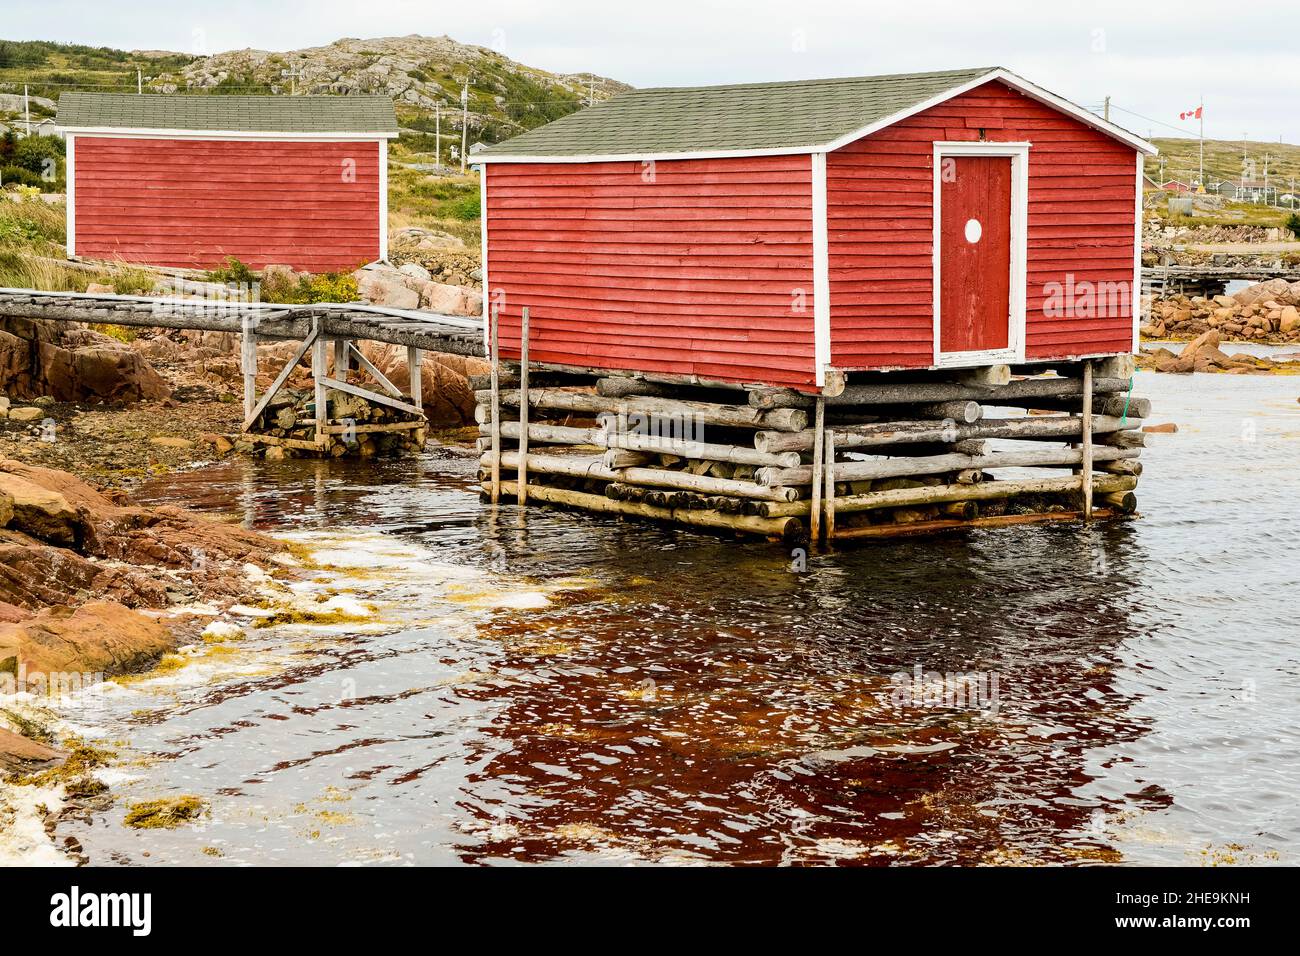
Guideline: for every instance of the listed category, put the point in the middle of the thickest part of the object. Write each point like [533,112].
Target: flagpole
[1200,112]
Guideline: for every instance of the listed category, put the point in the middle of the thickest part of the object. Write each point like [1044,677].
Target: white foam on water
[23,840]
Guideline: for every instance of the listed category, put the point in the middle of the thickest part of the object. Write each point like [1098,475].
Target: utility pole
[1200,111]
[1105,109]
[139,82]
[437,133]
[27,109]
[591,90]
[464,123]
[293,74]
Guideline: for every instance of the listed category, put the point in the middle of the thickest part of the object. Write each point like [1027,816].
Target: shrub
[1293,224]
[20,174]
[128,281]
[306,290]
[467,208]
[234,271]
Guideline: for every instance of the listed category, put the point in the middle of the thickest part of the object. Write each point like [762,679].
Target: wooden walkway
[459,335]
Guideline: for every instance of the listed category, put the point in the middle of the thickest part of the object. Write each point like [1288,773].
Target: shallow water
[567,688]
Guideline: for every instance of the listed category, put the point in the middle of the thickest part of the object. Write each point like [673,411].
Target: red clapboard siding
[703,268]
[193,203]
[880,197]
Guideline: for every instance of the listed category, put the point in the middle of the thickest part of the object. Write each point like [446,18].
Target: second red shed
[776,233]
[192,180]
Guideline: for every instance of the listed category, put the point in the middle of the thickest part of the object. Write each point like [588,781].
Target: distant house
[188,181]
[46,127]
[1176,186]
[1255,190]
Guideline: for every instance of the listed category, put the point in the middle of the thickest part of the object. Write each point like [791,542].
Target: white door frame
[1019,155]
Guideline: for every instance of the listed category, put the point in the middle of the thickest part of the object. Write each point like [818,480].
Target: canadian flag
[1191,114]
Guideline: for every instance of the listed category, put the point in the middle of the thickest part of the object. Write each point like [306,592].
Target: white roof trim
[645,157]
[1004,76]
[148,133]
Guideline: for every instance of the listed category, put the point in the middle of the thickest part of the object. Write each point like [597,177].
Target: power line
[1177,129]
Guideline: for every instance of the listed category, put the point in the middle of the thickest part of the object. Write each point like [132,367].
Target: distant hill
[1223,160]
[419,72]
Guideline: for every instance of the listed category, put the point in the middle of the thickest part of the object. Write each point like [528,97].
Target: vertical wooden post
[414,358]
[319,356]
[830,486]
[1086,431]
[415,369]
[248,365]
[494,357]
[819,438]
[341,360]
[522,483]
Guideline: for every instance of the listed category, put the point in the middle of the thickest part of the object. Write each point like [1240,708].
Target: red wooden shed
[772,233]
[190,180]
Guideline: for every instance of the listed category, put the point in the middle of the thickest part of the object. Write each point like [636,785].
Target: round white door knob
[973,230]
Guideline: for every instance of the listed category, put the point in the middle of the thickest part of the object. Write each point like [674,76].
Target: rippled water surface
[568,688]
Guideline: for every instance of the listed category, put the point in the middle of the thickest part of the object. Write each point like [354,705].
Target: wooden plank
[521,480]
[1085,471]
[494,357]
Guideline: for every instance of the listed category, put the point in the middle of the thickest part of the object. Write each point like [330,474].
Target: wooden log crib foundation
[875,454]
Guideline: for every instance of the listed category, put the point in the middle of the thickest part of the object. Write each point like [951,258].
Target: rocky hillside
[419,72]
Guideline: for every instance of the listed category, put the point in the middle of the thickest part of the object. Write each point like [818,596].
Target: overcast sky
[1154,62]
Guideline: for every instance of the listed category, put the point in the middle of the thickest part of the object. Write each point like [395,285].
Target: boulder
[19,754]
[416,271]
[1210,340]
[28,413]
[378,288]
[39,512]
[446,299]
[73,364]
[1273,288]
[100,288]
[1288,320]
[100,638]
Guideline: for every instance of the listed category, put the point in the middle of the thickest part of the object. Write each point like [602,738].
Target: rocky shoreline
[94,586]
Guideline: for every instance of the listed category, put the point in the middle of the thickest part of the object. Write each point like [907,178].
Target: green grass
[33,224]
[450,204]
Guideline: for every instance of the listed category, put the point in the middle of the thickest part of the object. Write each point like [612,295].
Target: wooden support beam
[741,416]
[248,365]
[874,434]
[788,528]
[593,466]
[521,482]
[938,464]
[942,494]
[818,463]
[494,358]
[370,396]
[318,376]
[634,441]
[953,524]
[909,393]
[829,504]
[1085,417]
[369,368]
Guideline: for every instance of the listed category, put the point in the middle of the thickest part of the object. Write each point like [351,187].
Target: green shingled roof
[243,114]
[803,113]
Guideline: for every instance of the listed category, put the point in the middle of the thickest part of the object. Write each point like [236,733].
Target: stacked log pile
[887,455]
[287,428]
